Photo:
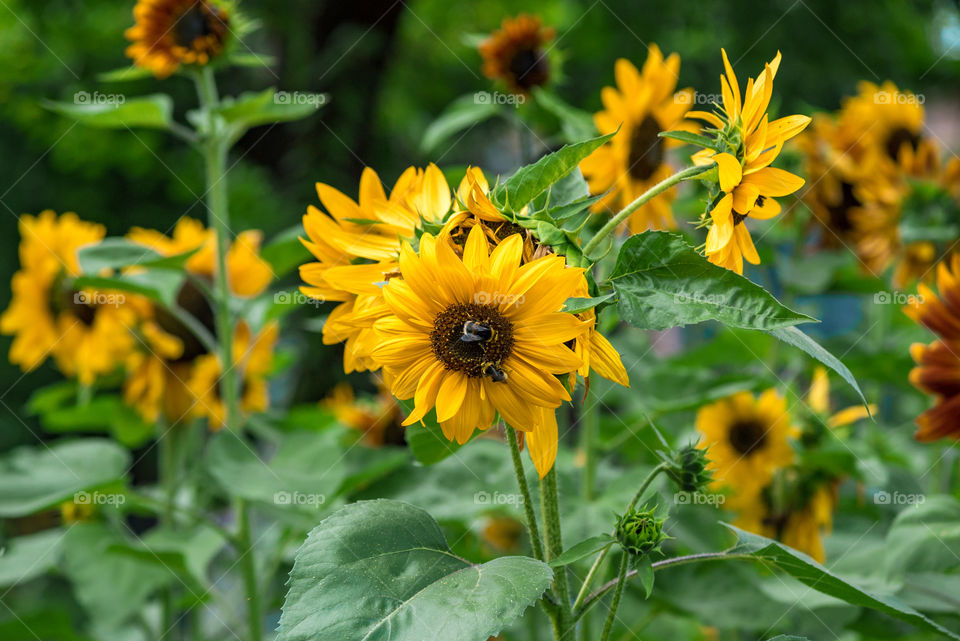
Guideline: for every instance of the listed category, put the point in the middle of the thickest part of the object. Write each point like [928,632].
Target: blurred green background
[390,69]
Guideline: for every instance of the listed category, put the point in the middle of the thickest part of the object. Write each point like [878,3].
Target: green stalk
[214,147]
[659,188]
[535,540]
[608,625]
[550,506]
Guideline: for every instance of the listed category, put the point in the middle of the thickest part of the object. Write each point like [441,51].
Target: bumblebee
[474,332]
[494,372]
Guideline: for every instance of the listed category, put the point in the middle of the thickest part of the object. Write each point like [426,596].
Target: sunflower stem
[550,506]
[608,624]
[644,198]
[662,467]
[535,541]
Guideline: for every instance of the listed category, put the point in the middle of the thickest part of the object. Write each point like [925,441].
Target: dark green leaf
[689,138]
[27,557]
[462,113]
[114,111]
[268,106]
[645,573]
[663,282]
[579,305]
[383,570]
[159,285]
[105,413]
[582,550]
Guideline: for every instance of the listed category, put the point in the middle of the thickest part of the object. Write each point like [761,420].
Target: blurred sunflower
[357,245]
[87,332]
[158,372]
[887,119]
[818,399]
[519,347]
[504,534]
[748,439]
[642,105]
[377,419]
[515,54]
[747,181]
[170,33]
[252,357]
[801,526]
[938,364]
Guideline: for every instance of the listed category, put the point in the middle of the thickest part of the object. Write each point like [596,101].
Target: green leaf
[383,570]
[35,478]
[303,474]
[575,123]
[924,536]
[463,113]
[185,552]
[105,413]
[810,573]
[125,74]
[793,336]
[27,557]
[115,111]
[116,252]
[663,282]
[425,438]
[577,305]
[160,285]
[645,573]
[269,106]
[250,60]
[582,550]
[284,253]
[532,180]
[689,138]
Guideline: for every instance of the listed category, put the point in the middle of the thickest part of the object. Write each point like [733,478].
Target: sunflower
[515,53]
[818,399]
[377,419]
[517,338]
[887,119]
[253,357]
[748,183]
[170,33]
[87,332]
[938,364]
[748,440]
[158,373]
[801,526]
[357,245]
[642,105]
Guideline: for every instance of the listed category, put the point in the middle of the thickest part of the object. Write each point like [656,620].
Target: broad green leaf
[27,557]
[379,570]
[105,413]
[114,111]
[159,285]
[532,180]
[269,106]
[793,336]
[304,473]
[116,252]
[582,550]
[186,552]
[37,477]
[809,572]
[43,624]
[576,124]
[924,536]
[463,113]
[572,188]
[689,138]
[578,305]
[663,282]
[52,397]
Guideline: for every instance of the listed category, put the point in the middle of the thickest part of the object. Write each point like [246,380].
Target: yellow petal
[730,171]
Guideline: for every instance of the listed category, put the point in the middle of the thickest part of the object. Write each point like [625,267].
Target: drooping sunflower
[748,440]
[87,332]
[748,183]
[377,419]
[642,105]
[170,33]
[357,246]
[515,54]
[515,342]
[938,364]
[253,359]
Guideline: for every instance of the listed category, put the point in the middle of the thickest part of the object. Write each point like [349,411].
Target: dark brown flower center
[839,212]
[191,299]
[198,22]
[747,435]
[897,138]
[646,149]
[529,68]
[475,358]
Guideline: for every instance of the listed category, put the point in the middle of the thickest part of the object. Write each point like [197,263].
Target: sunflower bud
[689,469]
[640,532]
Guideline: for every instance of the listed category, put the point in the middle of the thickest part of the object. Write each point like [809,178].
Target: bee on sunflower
[642,105]
[88,332]
[515,54]
[161,375]
[747,142]
[171,33]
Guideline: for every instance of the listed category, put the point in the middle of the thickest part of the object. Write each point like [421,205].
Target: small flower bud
[689,469]
[640,532]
